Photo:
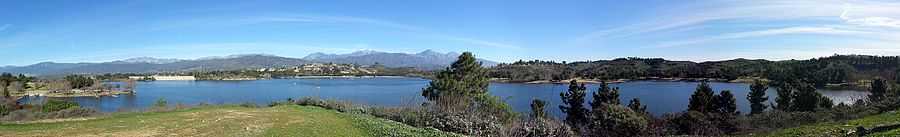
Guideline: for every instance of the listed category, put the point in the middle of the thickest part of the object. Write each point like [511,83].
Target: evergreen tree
[537,108]
[702,99]
[573,105]
[897,76]
[806,98]
[785,97]
[605,95]
[725,103]
[757,97]
[825,102]
[878,90]
[465,77]
[78,81]
[636,105]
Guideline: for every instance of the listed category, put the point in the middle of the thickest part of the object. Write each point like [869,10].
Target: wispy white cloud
[863,18]
[349,20]
[762,33]
[873,15]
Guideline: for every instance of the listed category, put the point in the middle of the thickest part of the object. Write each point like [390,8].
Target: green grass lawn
[841,128]
[218,121]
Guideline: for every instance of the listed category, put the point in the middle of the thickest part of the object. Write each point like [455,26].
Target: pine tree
[605,95]
[757,97]
[806,98]
[725,103]
[702,99]
[785,97]
[573,105]
[878,90]
[465,77]
[636,105]
[897,76]
[537,108]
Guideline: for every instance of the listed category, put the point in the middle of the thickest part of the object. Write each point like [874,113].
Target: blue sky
[95,31]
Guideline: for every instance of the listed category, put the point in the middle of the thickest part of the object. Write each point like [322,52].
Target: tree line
[819,71]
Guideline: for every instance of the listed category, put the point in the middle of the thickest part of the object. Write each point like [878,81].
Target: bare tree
[97,86]
[18,87]
[5,90]
[130,85]
[59,86]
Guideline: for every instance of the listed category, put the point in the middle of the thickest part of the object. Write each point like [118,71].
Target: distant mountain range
[426,60]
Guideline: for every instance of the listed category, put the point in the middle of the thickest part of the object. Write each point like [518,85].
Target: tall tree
[725,103]
[6,79]
[537,108]
[702,99]
[465,77]
[785,96]
[897,76]
[636,105]
[757,97]
[79,81]
[806,98]
[878,90]
[130,85]
[573,104]
[605,95]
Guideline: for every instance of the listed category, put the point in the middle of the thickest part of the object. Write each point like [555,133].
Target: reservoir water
[659,96]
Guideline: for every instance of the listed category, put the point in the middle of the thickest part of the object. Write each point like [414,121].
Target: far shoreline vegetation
[457,100]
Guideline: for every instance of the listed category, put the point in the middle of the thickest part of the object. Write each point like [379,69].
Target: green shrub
[615,120]
[57,105]
[694,123]
[161,103]
[249,105]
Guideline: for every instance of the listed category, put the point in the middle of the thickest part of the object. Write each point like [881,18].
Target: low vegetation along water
[659,96]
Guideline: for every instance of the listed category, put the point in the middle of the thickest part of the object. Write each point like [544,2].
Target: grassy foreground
[285,120]
[841,128]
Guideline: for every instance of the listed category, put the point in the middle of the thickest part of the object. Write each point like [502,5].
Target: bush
[693,123]
[463,123]
[279,103]
[249,105]
[493,106]
[161,103]
[57,105]
[340,106]
[614,121]
[538,127]
[7,105]
[27,115]
[476,121]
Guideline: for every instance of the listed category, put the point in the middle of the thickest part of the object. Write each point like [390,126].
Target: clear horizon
[502,31]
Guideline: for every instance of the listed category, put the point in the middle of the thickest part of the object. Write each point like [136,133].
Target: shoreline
[46,93]
[596,81]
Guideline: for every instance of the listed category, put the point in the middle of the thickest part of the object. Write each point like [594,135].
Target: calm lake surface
[659,96]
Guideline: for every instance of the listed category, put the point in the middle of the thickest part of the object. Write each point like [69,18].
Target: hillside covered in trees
[834,69]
